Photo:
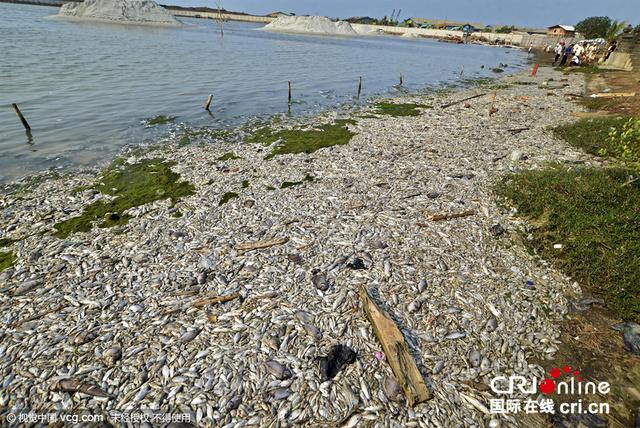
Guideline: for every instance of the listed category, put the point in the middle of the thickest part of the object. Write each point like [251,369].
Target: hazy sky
[534,13]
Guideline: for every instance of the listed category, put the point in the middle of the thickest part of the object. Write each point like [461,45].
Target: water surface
[88,89]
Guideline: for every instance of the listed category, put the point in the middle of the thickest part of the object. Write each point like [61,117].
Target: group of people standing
[581,52]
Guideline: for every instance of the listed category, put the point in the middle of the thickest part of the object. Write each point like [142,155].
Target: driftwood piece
[615,94]
[517,130]
[464,99]
[220,299]
[449,216]
[36,316]
[396,349]
[245,248]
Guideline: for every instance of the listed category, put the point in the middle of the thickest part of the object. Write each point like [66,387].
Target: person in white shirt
[558,50]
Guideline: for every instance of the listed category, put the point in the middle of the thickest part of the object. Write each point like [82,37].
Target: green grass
[399,110]
[245,184]
[228,156]
[301,141]
[286,184]
[589,134]
[133,185]
[596,220]
[227,197]
[588,69]
[6,260]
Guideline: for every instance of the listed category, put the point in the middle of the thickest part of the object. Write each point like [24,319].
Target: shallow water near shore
[88,90]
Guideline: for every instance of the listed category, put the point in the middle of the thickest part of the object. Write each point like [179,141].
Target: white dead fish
[393,390]
[72,385]
[279,370]
[320,282]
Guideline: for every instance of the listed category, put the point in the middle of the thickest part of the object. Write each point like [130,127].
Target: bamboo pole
[209,101]
[359,86]
[21,117]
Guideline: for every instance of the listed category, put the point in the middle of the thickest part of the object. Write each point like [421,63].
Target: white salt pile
[142,12]
[310,25]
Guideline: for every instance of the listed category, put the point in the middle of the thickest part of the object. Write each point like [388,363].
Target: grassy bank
[587,220]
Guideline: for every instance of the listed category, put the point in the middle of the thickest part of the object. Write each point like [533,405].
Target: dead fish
[393,390]
[222,280]
[233,404]
[72,385]
[367,257]
[492,324]
[280,371]
[351,398]
[275,395]
[313,331]
[82,337]
[249,203]
[339,261]
[202,278]
[453,310]
[443,265]
[475,358]
[485,364]
[294,258]
[387,268]
[415,306]
[378,245]
[26,287]
[111,355]
[304,317]
[189,336]
[455,335]
[438,367]
[422,285]
[178,234]
[320,282]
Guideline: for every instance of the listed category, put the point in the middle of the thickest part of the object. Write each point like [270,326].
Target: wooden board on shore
[402,364]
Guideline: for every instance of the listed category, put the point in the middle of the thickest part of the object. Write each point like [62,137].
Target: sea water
[88,90]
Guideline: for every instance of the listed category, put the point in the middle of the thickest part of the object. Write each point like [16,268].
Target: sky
[534,13]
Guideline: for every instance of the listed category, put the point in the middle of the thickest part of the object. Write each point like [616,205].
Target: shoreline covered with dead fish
[173,316]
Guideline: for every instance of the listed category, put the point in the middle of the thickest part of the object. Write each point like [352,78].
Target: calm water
[86,89]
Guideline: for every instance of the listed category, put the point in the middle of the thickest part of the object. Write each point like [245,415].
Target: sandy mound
[310,25]
[146,12]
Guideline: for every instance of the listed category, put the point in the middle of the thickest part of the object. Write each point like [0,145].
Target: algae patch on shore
[6,260]
[286,184]
[227,197]
[304,141]
[5,242]
[228,156]
[399,110]
[132,185]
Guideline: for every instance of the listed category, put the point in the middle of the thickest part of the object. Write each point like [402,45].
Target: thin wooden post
[461,71]
[492,110]
[359,86]
[209,101]
[289,85]
[400,78]
[21,117]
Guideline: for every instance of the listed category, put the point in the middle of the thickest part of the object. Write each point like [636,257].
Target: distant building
[561,31]
[441,24]
[360,20]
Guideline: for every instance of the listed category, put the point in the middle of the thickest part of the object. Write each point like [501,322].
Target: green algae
[399,110]
[245,184]
[227,197]
[228,156]
[286,184]
[5,242]
[132,185]
[6,260]
[304,141]
[161,119]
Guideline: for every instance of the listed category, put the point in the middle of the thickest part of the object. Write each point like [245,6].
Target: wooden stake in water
[461,70]
[21,117]
[359,86]
[400,78]
[289,85]
[208,101]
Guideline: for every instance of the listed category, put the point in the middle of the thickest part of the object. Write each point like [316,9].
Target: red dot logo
[555,373]
[566,369]
[547,386]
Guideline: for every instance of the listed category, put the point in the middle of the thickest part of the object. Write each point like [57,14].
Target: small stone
[517,155]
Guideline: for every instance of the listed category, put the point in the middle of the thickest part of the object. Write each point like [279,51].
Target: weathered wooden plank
[394,346]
